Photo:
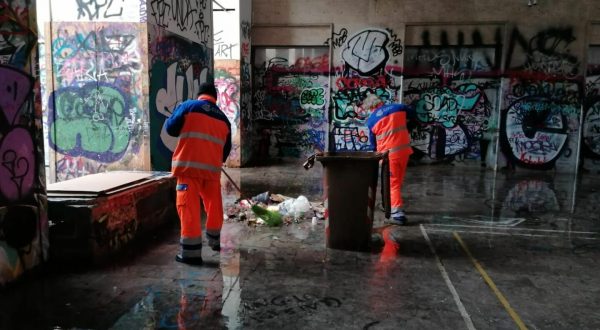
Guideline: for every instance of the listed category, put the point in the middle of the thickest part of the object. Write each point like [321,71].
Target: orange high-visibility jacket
[387,126]
[204,139]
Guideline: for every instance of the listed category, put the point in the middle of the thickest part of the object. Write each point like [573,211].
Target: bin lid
[350,156]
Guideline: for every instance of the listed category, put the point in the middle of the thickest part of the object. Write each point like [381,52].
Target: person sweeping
[204,144]
[388,132]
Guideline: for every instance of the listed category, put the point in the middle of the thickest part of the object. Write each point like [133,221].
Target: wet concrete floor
[481,251]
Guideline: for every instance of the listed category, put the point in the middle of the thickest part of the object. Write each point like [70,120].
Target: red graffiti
[319,63]
[245,49]
[356,82]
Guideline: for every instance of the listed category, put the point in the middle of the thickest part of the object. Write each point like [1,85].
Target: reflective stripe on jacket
[204,139]
[387,126]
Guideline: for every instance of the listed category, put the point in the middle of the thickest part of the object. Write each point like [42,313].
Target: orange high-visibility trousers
[397,170]
[190,191]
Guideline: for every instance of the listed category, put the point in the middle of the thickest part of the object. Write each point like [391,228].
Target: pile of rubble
[292,210]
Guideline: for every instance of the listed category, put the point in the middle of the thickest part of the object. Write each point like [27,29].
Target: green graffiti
[312,97]
[90,121]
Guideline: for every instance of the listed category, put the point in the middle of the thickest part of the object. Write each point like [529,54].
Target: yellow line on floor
[491,284]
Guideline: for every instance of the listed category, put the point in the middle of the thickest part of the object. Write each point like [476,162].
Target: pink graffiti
[17,163]
[17,160]
[15,86]
[73,167]
[228,97]
[316,64]
[356,82]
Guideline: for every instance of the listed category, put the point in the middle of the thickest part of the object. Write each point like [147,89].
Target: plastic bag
[285,207]
[300,207]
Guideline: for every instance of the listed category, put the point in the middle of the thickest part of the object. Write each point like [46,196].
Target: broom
[271,218]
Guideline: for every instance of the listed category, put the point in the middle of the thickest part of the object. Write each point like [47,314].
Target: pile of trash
[288,209]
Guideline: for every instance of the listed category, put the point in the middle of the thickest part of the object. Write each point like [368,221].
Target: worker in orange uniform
[204,144]
[388,132]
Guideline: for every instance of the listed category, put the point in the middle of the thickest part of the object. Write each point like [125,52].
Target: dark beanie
[208,89]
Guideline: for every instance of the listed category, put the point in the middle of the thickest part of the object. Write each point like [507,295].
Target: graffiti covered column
[23,216]
[97,108]
[227,69]
[180,56]
[246,119]
[590,143]
[367,68]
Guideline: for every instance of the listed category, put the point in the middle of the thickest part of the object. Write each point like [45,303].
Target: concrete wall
[180,49]
[97,116]
[23,206]
[492,82]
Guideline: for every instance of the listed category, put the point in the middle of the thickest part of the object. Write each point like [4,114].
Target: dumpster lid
[350,155]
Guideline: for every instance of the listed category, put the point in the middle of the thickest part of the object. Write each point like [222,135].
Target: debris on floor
[274,210]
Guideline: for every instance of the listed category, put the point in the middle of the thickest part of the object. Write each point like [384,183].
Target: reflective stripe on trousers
[397,171]
[190,193]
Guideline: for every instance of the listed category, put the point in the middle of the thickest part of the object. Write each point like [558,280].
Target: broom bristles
[271,218]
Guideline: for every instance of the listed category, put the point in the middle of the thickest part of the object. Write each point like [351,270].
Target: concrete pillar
[116,71]
[23,216]
[180,58]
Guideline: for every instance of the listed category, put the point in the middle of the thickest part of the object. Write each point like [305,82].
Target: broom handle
[232,182]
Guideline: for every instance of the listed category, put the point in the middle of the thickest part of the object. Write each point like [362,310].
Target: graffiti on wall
[94,9]
[23,222]
[96,111]
[246,114]
[450,80]
[541,122]
[99,11]
[227,82]
[591,119]
[290,101]
[546,54]
[451,119]
[17,173]
[223,48]
[365,75]
[178,67]
[16,38]
[464,57]
[590,143]
[187,18]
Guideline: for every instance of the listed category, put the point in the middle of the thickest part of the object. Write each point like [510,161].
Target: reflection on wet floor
[536,237]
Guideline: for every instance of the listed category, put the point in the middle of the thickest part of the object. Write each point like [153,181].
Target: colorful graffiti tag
[97,108]
[450,119]
[227,82]
[454,92]
[17,39]
[365,77]
[539,121]
[290,102]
